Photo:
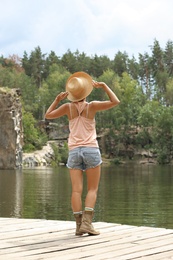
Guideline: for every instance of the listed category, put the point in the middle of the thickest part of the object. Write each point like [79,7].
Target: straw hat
[79,86]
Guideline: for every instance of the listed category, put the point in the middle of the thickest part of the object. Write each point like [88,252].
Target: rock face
[11,134]
[42,157]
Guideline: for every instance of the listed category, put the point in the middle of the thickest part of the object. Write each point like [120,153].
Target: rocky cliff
[11,134]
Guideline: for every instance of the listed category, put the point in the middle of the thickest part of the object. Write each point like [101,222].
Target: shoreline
[44,157]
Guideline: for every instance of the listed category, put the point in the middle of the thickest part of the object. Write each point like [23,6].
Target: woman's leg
[77,188]
[76,201]
[93,178]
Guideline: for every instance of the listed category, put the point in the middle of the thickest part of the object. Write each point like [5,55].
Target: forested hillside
[144,85]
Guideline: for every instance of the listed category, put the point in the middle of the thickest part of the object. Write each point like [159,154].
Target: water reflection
[138,195]
[131,194]
[11,193]
[49,194]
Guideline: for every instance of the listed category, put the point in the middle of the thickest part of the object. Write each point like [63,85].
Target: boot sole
[84,231]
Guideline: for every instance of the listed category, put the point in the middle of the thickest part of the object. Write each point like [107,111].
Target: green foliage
[148,114]
[57,156]
[163,135]
[35,65]
[120,63]
[131,100]
[169,92]
[143,138]
[144,87]
[117,161]
[8,77]
[60,154]
[64,153]
[34,139]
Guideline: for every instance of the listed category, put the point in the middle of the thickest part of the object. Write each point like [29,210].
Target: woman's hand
[54,112]
[61,96]
[97,84]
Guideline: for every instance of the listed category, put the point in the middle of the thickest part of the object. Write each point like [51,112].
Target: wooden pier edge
[36,239]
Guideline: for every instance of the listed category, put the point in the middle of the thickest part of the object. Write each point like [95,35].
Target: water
[130,194]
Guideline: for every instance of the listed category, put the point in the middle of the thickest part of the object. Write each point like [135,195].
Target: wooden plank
[110,253]
[37,229]
[158,256]
[69,257]
[107,231]
[44,239]
[50,249]
[140,250]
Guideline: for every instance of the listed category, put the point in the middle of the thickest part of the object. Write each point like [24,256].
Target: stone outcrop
[41,157]
[11,134]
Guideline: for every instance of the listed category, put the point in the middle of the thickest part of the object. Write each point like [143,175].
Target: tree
[133,68]
[145,75]
[169,92]
[163,135]
[96,67]
[106,119]
[144,87]
[50,60]
[160,75]
[51,87]
[157,58]
[83,62]
[69,62]
[35,65]
[120,63]
[2,61]
[168,58]
[131,100]
[147,116]
[33,138]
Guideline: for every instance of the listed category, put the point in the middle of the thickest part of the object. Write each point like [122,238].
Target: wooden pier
[35,239]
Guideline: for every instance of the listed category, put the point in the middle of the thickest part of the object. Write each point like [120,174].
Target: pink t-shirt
[82,129]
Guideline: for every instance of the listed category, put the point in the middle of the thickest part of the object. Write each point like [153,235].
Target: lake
[130,194]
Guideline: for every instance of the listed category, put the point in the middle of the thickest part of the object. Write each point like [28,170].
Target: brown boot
[78,218]
[86,226]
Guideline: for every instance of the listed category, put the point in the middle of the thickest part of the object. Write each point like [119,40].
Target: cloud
[91,26]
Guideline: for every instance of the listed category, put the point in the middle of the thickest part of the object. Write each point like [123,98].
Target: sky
[95,27]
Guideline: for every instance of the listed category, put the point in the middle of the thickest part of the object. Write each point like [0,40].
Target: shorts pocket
[73,158]
[92,158]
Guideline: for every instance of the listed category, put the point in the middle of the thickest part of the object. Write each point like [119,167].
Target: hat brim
[88,89]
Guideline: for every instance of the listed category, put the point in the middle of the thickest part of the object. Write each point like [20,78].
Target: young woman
[84,153]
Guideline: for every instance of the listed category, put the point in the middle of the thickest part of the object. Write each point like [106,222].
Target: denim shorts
[84,158]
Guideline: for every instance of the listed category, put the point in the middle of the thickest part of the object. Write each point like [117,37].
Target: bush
[60,154]
[33,138]
[64,153]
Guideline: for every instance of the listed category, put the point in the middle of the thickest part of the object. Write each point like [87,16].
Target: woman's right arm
[54,112]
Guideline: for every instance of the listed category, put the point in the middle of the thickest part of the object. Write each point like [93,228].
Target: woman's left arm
[104,105]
